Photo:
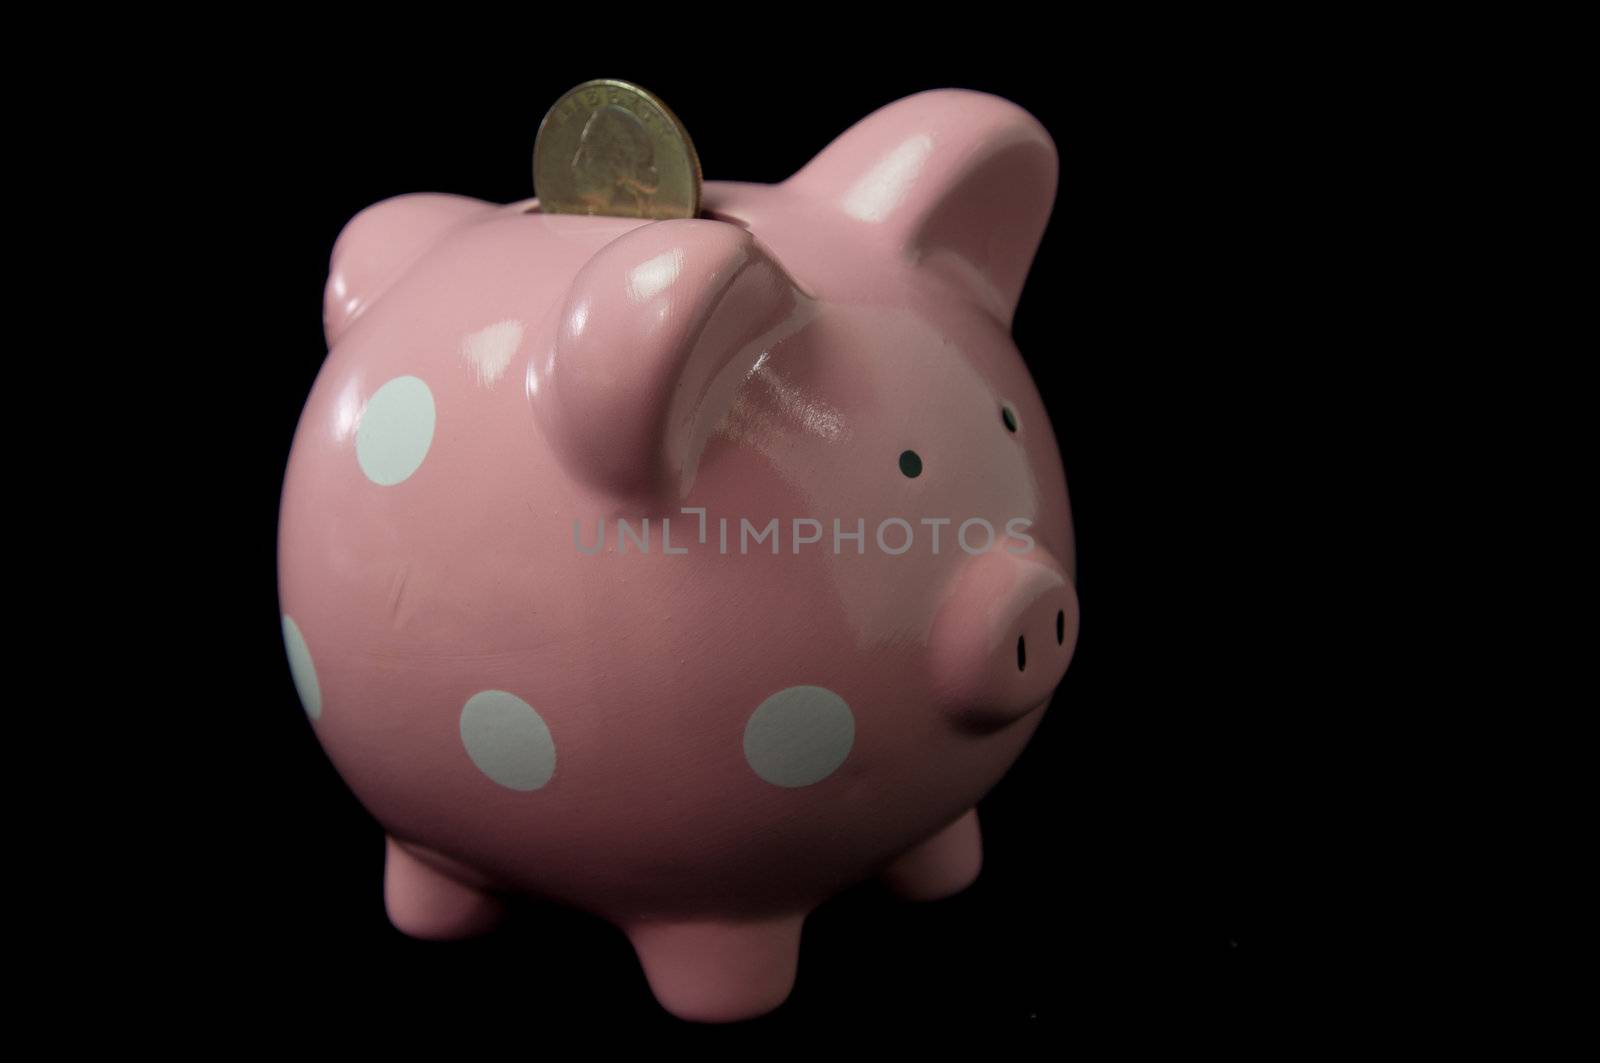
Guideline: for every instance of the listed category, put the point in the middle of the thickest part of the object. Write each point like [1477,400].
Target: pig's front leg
[424,902]
[719,970]
[942,866]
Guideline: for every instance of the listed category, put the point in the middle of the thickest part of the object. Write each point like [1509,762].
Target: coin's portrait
[615,163]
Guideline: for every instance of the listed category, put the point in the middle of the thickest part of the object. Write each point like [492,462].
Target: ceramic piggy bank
[687,572]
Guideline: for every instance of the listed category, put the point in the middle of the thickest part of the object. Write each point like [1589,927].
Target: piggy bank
[687,572]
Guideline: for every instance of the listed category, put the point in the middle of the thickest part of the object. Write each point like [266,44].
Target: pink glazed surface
[773,358]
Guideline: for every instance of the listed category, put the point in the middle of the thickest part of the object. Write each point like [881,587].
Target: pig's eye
[910,464]
[1008,417]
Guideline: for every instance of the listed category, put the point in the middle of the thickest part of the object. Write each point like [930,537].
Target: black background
[1133,853]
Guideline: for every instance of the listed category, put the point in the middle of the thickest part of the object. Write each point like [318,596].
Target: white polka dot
[300,666]
[395,430]
[508,740]
[799,736]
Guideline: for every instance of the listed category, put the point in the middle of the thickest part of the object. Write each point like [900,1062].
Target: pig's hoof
[942,866]
[426,903]
[719,970]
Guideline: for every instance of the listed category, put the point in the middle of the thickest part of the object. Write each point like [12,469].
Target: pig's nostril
[1061,627]
[1022,653]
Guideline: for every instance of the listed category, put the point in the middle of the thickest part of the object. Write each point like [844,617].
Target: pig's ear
[382,242]
[958,182]
[657,333]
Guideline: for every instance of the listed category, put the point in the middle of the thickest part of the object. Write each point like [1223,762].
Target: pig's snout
[1003,638]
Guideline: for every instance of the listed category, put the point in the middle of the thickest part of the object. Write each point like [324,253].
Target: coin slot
[717,215]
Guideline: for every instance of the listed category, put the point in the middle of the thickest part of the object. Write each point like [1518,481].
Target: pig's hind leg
[424,902]
[719,970]
[941,866]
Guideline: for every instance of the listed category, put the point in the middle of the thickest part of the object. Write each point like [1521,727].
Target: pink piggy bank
[687,572]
